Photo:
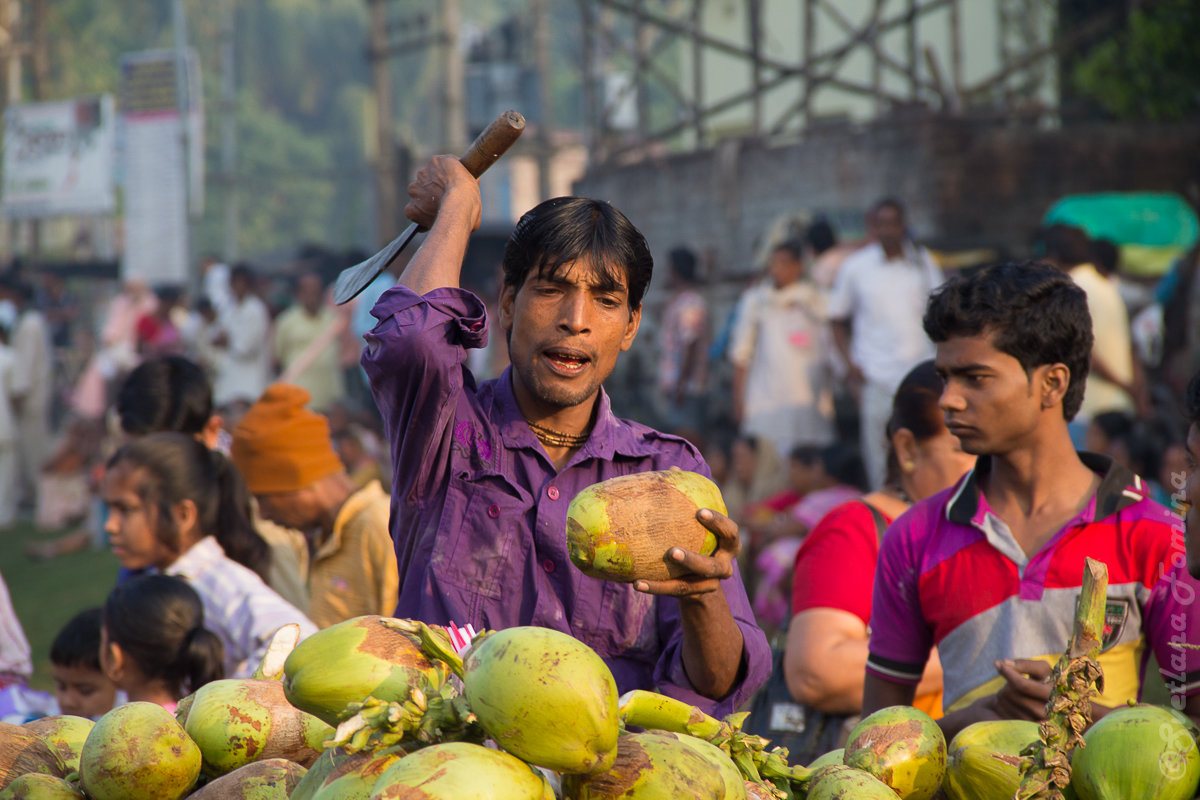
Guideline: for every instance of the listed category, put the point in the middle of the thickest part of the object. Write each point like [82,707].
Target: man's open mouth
[567,362]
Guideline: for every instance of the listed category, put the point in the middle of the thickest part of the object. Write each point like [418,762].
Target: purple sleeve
[900,637]
[1173,619]
[669,675]
[415,359]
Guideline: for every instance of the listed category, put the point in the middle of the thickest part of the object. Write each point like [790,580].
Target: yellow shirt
[354,570]
[1111,342]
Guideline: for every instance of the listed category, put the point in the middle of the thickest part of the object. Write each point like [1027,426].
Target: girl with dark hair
[178,507]
[153,643]
[835,567]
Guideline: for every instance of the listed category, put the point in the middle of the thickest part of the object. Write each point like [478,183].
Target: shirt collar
[1119,488]
[610,435]
[202,555]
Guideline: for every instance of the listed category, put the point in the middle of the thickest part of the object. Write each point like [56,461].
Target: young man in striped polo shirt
[989,570]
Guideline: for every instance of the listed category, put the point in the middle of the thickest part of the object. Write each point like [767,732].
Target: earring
[908,466]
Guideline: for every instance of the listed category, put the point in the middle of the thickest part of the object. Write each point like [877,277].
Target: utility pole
[453,106]
[386,189]
[545,125]
[229,132]
[183,104]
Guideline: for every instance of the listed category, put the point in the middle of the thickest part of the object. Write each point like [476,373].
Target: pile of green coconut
[377,708]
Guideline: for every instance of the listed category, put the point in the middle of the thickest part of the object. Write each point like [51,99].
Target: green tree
[1150,69]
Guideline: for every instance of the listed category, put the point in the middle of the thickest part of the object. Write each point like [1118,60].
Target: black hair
[1105,256]
[915,408]
[204,305]
[1031,311]
[242,270]
[806,454]
[168,293]
[793,247]
[842,461]
[563,230]
[170,393]
[158,622]
[176,467]
[1116,426]
[820,236]
[1066,244]
[77,644]
[1191,403]
[683,263]
[887,202]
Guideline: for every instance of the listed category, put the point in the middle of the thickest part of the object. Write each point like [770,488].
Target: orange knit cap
[281,446]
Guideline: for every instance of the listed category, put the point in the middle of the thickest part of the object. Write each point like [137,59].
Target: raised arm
[444,199]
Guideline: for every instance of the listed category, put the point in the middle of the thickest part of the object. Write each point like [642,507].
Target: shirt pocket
[475,545]
[629,625]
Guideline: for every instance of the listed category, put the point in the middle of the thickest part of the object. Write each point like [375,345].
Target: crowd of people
[914,467]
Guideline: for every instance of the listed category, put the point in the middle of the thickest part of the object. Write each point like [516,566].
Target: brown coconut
[272,779]
[23,751]
[623,528]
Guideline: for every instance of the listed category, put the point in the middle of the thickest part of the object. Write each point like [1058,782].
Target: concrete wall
[966,183]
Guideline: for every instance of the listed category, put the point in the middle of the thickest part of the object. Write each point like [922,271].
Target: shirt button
[553,492]
[548,565]
[493,511]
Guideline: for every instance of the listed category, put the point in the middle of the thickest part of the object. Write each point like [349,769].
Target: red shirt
[835,567]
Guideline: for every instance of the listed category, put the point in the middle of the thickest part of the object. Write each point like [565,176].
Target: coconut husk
[22,751]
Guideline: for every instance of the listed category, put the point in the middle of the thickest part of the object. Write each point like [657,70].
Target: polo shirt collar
[1119,488]
[610,435]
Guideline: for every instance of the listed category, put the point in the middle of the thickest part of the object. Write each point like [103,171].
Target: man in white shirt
[780,392]
[875,310]
[243,344]
[30,387]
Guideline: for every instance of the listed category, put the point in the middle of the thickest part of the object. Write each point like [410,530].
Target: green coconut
[272,779]
[901,746]
[461,771]
[545,697]
[653,766]
[23,751]
[839,782]
[354,777]
[39,786]
[984,759]
[735,783]
[65,734]
[832,757]
[318,772]
[138,751]
[350,661]
[238,721]
[1136,753]
[621,529]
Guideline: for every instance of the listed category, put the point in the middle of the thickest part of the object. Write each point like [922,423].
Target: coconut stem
[1069,710]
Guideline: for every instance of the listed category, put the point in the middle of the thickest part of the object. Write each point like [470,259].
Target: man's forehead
[584,272]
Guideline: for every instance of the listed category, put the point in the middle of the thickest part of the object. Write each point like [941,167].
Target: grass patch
[46,594]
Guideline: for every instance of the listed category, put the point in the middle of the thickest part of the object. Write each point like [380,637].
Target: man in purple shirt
[484,473]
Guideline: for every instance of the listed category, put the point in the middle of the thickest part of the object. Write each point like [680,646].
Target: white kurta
[243,368]
[31,388]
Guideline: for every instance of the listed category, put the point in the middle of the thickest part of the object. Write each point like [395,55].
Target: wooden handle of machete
[491,144]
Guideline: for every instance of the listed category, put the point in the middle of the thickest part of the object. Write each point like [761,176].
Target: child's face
[130,524]
[82,691]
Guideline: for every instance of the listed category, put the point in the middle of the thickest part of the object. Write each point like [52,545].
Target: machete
[482,153]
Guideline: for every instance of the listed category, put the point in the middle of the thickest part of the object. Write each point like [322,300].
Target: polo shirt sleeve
[835,567]
[671,679]
[900,637]
[1172,619]
[415,359]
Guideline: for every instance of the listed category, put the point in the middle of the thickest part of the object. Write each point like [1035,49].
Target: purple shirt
[479,513]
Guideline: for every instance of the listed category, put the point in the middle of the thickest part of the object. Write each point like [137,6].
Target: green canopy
[1151,228]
